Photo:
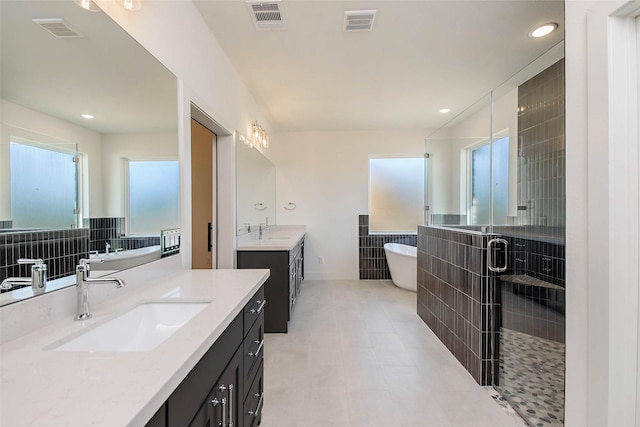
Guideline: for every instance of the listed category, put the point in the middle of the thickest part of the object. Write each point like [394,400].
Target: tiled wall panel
[110,230]
[60,249]
[373,263]
[541,149]
[455,294]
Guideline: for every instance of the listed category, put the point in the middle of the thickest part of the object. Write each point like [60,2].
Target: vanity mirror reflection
[61,64]
[255,188]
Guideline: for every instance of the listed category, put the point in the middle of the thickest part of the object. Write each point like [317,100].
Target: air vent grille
[58,28]
[359,20]
[266,15]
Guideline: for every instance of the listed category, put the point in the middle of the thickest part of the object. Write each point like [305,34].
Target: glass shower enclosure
[498,191]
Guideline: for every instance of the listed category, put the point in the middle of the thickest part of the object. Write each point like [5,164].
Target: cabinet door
[203,417]
[227,395]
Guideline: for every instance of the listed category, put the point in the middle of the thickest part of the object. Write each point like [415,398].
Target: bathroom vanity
[282,252]
[207,369]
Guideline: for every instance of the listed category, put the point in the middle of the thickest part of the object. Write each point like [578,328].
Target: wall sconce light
[259,136]
[245,141]
[88,5]
[131,5]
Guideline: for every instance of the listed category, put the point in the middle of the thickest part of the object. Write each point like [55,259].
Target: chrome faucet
[107,246]
[38,279]
[82,285]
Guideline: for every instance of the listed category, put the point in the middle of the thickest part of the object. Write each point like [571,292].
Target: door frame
[223,208]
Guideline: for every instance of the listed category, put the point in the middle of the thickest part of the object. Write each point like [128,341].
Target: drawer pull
[251,354]
[259,310]
[257,411]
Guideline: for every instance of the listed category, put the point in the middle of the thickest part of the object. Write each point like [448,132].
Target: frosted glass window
[396,194]
[44,187]
[153,196]
[482,182]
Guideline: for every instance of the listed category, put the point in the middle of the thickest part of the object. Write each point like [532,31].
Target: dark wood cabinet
[283,285]
[214,393]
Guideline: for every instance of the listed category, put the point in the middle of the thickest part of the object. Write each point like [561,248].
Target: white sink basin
[142,328]
[278,238]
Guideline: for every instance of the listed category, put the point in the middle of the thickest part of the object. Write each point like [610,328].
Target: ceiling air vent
[58,27]
[266,15]
[359,20]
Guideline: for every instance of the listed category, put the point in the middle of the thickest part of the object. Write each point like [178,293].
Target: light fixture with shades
[259,136]
[131,5]
[88,5]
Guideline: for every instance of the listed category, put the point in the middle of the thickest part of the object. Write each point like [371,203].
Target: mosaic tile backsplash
[60,249]
[373,263]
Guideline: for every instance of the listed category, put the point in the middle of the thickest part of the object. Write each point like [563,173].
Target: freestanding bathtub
[403,265]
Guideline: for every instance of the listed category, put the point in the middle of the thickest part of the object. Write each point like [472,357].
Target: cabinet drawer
[254,400]
[253,351]
[253,309]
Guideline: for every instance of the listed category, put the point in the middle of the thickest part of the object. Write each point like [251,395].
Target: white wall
[137,146]
[598,387]
[32,125]
[326,175]
[175,33]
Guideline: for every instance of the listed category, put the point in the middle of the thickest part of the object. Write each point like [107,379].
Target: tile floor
[357,355]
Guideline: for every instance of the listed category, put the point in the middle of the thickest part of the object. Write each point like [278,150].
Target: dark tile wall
[103,231]
[456,297]
[60,249]
[448,219]
[533,308]
[541,150]
[6,224]
[373,263]
[539,259]
[111,230]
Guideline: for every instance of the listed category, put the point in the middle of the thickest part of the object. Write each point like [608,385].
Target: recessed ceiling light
[445,110]
[87,116]
[543,30]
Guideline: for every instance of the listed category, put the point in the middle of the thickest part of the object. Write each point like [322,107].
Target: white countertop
[280,240]
[53,388]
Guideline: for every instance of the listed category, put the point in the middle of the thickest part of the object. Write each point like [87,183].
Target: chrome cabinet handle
[224,412]
[251,354]
[259,310]
[257,411]
[230,406]
[490,255]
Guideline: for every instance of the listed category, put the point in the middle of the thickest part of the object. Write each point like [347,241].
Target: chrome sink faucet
[38,279]
[82,285]
[107,246]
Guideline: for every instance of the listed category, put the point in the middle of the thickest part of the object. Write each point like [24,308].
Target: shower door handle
[490,255]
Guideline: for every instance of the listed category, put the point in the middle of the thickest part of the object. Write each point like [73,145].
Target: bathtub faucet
[82,285]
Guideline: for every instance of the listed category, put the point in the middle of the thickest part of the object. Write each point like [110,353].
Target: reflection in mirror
[46,99]
[255,188]
[482,177]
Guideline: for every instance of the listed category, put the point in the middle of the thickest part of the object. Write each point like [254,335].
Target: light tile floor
[357,355]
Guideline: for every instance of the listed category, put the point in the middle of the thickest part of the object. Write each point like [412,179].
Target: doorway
[203,232]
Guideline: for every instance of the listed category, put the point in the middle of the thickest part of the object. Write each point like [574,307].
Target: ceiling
[105,73]
[422,56]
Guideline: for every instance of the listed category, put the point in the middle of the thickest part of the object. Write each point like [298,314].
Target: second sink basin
[142,328]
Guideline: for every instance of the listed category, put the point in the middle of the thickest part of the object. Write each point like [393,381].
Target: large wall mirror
[255,189]
[72,185]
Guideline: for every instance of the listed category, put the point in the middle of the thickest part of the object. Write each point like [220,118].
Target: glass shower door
[528,212]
